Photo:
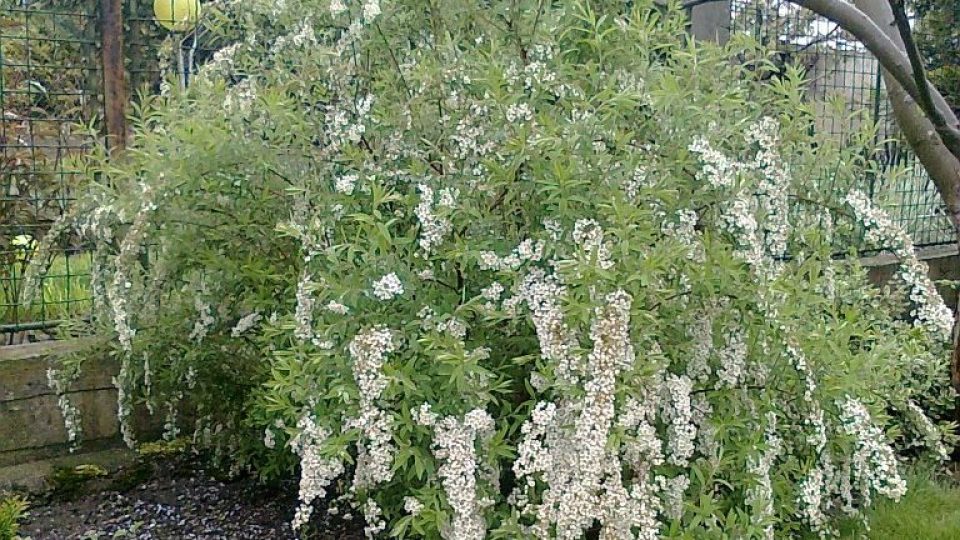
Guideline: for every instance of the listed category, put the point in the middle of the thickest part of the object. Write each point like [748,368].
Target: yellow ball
[177,15]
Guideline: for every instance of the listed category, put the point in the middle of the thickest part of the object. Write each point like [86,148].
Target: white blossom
[454,446]
[375,450]
[371,10]
[245,323]
[373,516]
[345,184]
[760,495]
[336,307]
[337,7]
[681,432]
[388,287]
[433,228]
[873,462]
[412,505]
[519,113]
[930,310]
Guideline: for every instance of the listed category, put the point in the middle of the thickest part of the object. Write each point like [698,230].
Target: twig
[951,138]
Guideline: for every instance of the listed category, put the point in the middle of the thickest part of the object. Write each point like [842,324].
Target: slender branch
[951,138]
[690,4]
[888,53]
[393,58]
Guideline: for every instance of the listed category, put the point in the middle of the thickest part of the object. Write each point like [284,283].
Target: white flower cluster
[671,492]
[412,505]
[303,36]
[454,445]
[873,463]
[336,307]
[432,227]
[454,327]
[304,312]
[565,446]
[772,189]
[759,219]
[337,7]
[130,249]
[684,230]
[345,184]
[373,516]
[371,9]
[69,411]
[928,430]
[375,450]
[811,501]
[733,358]
[316,471]
[588,234]
[760,495]
[388,287]
[681,431]
[116,297]
[519,113]
[492,292]
[170,428]
[470,136]
[701,337]
[424,415]
[930,310]
[269,439]
[204,320]
[718,170]
[347,125]
[542,294]
[123,381]
[739,219]
[526,251]
[642,448]
[245,324]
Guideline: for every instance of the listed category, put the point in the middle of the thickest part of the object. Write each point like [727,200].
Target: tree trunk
[920,133]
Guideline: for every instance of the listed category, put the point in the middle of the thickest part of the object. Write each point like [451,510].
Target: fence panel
[840,68]
[50,107]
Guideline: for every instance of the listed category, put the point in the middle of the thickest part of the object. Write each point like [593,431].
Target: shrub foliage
[512,269]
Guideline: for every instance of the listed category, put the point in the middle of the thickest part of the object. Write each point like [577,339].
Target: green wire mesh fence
[50,100]
[846,89]
[55,74]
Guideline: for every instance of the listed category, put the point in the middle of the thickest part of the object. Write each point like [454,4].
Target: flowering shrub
[511,271]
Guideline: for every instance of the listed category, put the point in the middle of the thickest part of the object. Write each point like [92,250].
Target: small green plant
[164,448]
[69,482]
[12,511]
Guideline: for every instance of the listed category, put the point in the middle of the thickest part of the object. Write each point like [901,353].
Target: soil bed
[174,499]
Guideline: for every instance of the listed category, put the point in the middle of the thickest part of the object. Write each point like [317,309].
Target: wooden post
[114,83]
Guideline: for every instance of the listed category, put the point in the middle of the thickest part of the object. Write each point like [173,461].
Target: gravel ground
[177,502]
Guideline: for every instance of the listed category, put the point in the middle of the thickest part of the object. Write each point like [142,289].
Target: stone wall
[31,425]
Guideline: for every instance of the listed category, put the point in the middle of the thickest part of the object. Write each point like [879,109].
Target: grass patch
[66,292]
[930,511]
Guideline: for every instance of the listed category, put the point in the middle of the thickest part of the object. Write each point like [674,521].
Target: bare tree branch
[888,53]
[690,4]
[951,137]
